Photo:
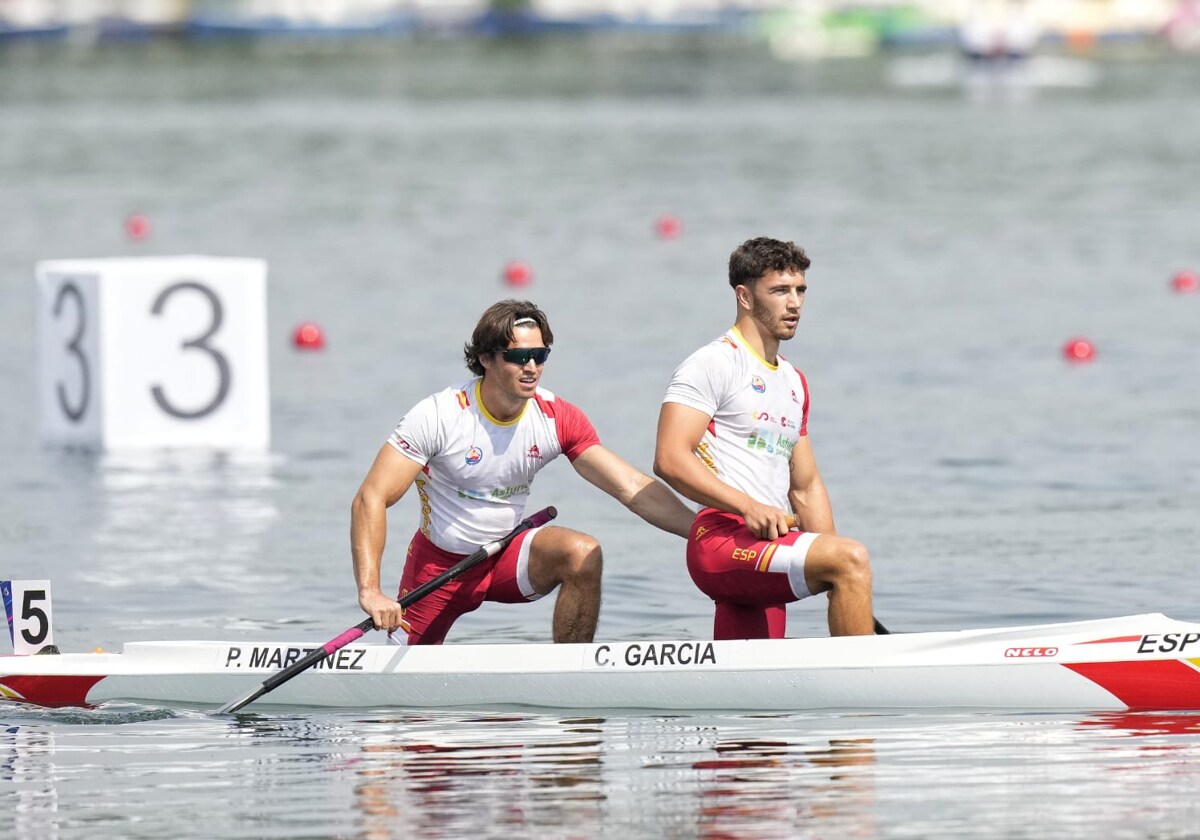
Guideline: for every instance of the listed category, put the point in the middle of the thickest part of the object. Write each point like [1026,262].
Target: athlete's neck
[498,404]
[760,341]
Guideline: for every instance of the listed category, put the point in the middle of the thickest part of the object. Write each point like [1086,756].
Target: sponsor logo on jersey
[496,493]
[794,398]
[758,385]
[426,508]
[534,452]
[782,421]
[765,440]
[503,493]
[474,455]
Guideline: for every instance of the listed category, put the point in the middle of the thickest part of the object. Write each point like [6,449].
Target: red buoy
[1079,350]
[137,226]
[518,273]
[668,227]
[308,336]
[1185,282]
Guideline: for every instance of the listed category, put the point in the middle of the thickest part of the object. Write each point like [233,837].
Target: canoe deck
[1132,662]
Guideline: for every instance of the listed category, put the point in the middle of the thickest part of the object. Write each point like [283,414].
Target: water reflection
[1145,724]
[182,517]
[455,774]
[158,539]
[508,772]
[779,788]
[531,774]
[24,765]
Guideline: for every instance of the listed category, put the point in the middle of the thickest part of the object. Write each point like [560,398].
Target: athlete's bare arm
[388,479]
[680,429]
[808,495]
[652,500]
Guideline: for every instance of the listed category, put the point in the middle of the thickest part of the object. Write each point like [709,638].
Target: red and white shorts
[504,578]
[731,565]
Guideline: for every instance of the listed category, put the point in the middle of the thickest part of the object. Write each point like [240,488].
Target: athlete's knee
[583,559]
[854,566]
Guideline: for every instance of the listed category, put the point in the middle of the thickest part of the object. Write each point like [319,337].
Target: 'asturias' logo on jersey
[474,455]
[758,385]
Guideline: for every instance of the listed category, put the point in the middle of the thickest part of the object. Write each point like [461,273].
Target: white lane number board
[30,621]
[153,352]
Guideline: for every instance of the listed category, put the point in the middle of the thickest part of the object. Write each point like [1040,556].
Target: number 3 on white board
[74,412]
[152,352]
[74,409]
[199,343]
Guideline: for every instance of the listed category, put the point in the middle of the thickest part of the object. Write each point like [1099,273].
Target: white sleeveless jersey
[759,411]
[477,469]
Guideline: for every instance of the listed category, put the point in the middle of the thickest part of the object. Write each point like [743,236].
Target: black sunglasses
[522,355]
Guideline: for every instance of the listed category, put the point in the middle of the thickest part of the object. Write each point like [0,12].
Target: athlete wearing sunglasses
[472,451]
[520,356]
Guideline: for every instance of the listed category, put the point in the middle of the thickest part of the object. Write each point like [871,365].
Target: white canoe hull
[1135,662]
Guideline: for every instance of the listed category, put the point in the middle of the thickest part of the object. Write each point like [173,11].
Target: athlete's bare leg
[842,567]
[570,560]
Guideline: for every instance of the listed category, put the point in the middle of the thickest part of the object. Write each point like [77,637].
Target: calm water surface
[958,240]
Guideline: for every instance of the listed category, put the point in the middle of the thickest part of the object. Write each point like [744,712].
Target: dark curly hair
[495,330]
[755,257]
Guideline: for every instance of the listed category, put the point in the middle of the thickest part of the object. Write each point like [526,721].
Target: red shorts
[751,580]
[504,578]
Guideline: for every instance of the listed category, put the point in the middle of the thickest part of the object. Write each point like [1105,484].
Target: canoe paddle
[480,554]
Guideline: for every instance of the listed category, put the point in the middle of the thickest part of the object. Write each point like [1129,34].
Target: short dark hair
[495,330]
[755,257]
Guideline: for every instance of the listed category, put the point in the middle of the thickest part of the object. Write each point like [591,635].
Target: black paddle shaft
[356,632]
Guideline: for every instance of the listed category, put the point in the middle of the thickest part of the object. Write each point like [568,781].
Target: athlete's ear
[744,298]
[487,360]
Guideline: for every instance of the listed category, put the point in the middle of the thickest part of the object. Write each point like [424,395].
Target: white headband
[521,321]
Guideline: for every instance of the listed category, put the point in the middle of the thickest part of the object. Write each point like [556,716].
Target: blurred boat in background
[999,56]
[91,19]
[794,29]
[306,18]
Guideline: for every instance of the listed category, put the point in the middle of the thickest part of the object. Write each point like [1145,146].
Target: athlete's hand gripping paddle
[356,632]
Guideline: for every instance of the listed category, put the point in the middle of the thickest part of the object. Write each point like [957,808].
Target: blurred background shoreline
[797,29]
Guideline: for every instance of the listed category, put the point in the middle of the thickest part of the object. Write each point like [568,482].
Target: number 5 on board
[157,351]
[27,606]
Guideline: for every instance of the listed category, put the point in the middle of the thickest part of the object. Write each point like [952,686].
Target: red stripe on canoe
[1152,684]
[1112,640]
[49,690]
